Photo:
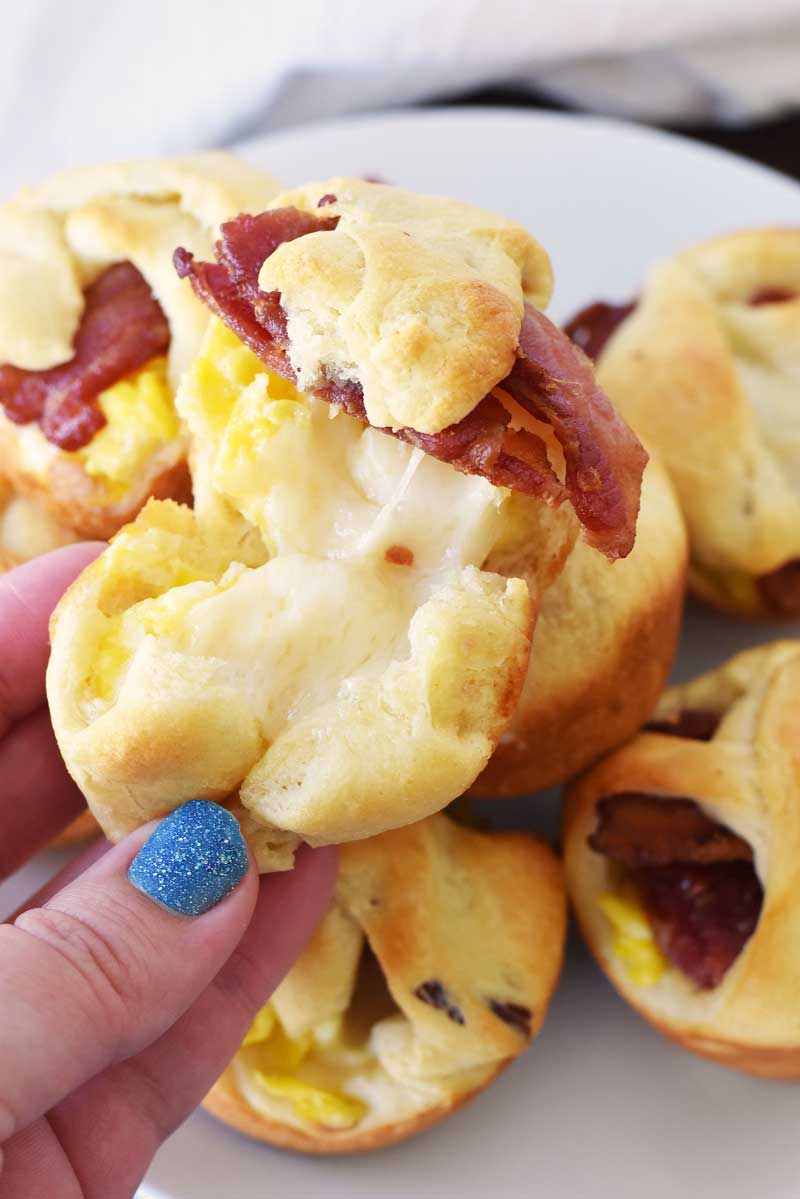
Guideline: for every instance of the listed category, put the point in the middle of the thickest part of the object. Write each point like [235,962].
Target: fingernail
[195,858]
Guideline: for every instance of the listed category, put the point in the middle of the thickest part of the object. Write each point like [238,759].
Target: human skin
[118,1014]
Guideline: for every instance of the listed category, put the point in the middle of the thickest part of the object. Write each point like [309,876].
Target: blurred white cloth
[94,79]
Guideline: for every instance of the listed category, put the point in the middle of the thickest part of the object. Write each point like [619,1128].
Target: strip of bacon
[780,590]
[554,381]
[121,329]
[695,724]
[551,380]
[695,877]
[636,830]
[702,915]
[593,326]
[771,295]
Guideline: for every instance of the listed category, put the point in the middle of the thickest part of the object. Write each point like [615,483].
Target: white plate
[601,1107]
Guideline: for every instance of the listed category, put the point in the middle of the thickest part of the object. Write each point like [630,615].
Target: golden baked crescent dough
[336,636]
[602,650]
[418,297]
[231,681]
[57,241]
[408,1001]
[225,1102]
[706,369]
[688,893]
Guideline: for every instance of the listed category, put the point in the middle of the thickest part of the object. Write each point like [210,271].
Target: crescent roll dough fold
[424,295]
[334,639]
[707,370]
[682,852]
[320,642]
[407,1001]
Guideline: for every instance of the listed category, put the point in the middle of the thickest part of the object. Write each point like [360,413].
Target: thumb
[112,961]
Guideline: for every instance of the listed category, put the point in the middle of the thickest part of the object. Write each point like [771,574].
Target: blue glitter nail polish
[195,858]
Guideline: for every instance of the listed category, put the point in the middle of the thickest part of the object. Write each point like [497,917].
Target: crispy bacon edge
[122,328]
[551,380]
[696,878]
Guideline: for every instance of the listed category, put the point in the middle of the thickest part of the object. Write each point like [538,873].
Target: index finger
[28,595]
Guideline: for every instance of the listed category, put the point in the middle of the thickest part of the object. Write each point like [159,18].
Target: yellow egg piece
[140,419]
[310,1103]
[280,1053]
[271,1048]
[220,372]
[274,1057]
[735,586]
[257,416]
[262,1027]
[108,663]
[158,617]
[633,941]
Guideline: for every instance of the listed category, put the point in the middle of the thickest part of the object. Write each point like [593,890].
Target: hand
[117,1013]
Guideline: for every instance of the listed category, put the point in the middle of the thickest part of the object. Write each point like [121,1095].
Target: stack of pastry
[681,848]
[424,556]
[95,332]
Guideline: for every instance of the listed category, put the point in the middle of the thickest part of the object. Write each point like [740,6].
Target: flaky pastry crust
[471,956]
[746,777]
[603,648]
[375,751]
[419,298]
[706,369]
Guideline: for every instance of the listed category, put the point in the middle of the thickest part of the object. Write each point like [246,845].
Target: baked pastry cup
[95,330]
[409,1000]
[602,651]
[682,862]
[335,638]
[706,367]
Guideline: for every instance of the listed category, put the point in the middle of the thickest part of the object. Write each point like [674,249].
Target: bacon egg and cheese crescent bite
[95,329]
[682,853]
[336,636]
[706,366]
[408,1001]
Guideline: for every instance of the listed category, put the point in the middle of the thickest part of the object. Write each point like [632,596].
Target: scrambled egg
[141,418]
[160,616]
[315,482]
[222,370]
[736,587]
[277,1057]
[633,940]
